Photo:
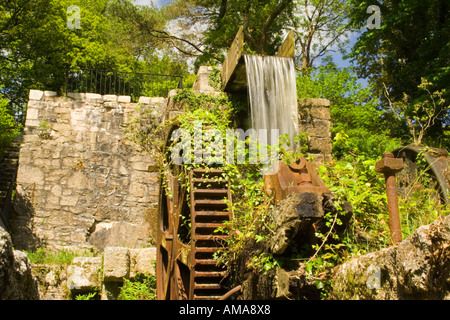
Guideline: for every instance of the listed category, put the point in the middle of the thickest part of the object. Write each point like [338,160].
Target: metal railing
[122,83]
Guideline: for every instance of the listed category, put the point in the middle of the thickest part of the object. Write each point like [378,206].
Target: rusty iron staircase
[209,198]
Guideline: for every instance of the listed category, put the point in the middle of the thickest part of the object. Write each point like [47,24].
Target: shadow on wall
[21,222]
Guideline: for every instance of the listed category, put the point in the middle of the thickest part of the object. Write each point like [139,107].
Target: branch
[271,18]
[391,105]
[324,240]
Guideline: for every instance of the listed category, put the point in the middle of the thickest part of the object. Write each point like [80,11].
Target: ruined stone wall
[315,119]
[81,182]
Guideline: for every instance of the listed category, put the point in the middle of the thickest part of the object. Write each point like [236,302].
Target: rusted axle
[389,166]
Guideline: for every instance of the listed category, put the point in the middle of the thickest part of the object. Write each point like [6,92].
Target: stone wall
[315,119]
[81,183]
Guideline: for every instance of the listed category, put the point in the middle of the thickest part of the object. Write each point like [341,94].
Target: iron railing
[122,83]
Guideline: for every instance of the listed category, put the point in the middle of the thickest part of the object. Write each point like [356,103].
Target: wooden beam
[233,56]
[287,49]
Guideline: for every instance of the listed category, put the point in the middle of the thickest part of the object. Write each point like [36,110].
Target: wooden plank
[287,49]
[233,56]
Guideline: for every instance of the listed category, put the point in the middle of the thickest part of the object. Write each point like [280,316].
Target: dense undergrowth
[351,178]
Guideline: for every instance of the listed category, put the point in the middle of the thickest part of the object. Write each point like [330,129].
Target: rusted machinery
[192,206]
[389,166]
[297,177]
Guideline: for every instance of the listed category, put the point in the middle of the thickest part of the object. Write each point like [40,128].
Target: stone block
[316,128]
[50,93]
[31,123]
[142,261]
[116,264]
[145,100]
[94,96]
[118,233]
[110,98]
[124,99]
[76,95]
[36,94]
[201,83]
[32,113]
[78,181]
[69,201]
[319,113]
[30,175]
[313,102]
[320,145]
[84,274]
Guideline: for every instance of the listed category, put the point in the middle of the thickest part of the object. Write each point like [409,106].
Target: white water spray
[273,95]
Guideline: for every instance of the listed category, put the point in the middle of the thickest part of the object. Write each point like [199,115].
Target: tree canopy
[406,60]
[412,44]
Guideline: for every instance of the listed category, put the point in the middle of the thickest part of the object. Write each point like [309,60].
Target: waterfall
[273,95]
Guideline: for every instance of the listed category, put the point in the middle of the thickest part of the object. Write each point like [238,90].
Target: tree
[8,127]
[413,42]
[205,29]
[38,48]
[319,25]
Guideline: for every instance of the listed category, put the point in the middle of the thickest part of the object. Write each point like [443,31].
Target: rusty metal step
[207,170]
[206,249]
[198,297]
[206,261]
[211,191]
[209,225]
[211,202]
[209,180]
[209,286]
[214,214]
[210,274]
[211,237]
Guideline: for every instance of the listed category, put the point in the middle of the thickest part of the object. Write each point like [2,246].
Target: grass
[60,257]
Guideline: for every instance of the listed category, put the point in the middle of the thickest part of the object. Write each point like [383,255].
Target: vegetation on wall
[406,100]
[9,129]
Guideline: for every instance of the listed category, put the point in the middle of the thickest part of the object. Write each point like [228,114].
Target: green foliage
[420,202]
[316,41]
[263,23]
[86,296]
[413,42]
[38,50]
[48,256]
[359,127]
[215,78]
[421,115]
[44,129]
[9,129]
[143,287]
[358,183]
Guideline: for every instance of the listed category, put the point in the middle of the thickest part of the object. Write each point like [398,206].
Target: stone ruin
[83,184]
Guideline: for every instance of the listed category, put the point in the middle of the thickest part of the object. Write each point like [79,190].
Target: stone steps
[8,168]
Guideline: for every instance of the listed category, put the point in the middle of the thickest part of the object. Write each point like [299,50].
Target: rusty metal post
[389,166]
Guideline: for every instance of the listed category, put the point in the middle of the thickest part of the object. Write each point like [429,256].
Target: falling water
[273,95]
